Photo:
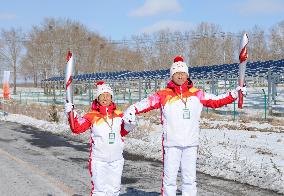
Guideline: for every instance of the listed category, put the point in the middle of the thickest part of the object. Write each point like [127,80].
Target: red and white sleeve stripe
[214,101]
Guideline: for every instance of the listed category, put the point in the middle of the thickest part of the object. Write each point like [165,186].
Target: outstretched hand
[68,107]
[129,115]
[243,89]
[235,92]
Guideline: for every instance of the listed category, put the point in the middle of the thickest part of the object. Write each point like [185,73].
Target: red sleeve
[123,132]
[81,125]
[213,101]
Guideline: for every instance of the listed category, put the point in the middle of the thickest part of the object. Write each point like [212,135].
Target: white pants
[106,177]
[174,157]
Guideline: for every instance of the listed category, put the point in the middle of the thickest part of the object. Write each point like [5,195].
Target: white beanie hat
[178,66]
[102,87]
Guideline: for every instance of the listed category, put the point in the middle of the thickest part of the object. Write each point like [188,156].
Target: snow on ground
[250,152]
[252,157]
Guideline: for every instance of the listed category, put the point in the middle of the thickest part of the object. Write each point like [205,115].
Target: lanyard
[110,126]
[184,102]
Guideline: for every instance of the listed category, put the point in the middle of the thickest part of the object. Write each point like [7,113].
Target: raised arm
[81,124]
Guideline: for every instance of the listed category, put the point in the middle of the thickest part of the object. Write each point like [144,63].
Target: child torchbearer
[106,142]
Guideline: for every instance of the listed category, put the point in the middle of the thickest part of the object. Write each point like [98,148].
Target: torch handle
[71,120]
[241,98]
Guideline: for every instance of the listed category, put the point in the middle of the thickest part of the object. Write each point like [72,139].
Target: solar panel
[257,69]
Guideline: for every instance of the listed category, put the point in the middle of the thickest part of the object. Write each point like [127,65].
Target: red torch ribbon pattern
[242,67]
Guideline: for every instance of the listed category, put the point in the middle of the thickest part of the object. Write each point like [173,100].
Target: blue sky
[119,19]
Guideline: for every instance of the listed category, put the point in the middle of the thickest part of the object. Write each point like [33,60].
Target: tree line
[40,53]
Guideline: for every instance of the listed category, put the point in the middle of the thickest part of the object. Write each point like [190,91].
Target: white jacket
[178,131]
[99,120]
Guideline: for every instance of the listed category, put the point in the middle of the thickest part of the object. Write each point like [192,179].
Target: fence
[265,95]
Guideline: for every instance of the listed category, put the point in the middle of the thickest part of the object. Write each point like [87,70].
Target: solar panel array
[256,69]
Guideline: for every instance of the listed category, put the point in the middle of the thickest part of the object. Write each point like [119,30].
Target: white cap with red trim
[102,87]
[178,66]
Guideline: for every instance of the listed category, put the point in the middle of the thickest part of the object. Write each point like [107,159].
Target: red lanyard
[110,126]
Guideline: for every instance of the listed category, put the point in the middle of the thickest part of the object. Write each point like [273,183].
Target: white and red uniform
[181,108]
[106,160]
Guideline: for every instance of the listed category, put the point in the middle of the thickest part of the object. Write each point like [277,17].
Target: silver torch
[69,72]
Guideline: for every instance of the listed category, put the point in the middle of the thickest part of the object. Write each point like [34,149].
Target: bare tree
[258,45]
[157,50]
[228,48]
[92,53]
[277,41]
[181,44]
[205,45]
[11,50]
[30,68]
[144,45]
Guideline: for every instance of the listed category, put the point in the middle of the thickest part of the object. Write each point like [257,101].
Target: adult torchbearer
[69,72]
[242,66]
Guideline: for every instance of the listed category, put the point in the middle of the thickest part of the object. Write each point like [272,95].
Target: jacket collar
[103,109]
[180,89]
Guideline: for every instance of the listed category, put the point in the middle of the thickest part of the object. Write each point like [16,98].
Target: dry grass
[240,126]
[37,111]
[151,118]
[264,151]
[211,115]
[242,122]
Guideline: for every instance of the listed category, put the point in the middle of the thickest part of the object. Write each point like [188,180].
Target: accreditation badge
[186,113]
[111,138]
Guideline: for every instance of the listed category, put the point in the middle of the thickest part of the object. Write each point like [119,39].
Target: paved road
[34,163]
